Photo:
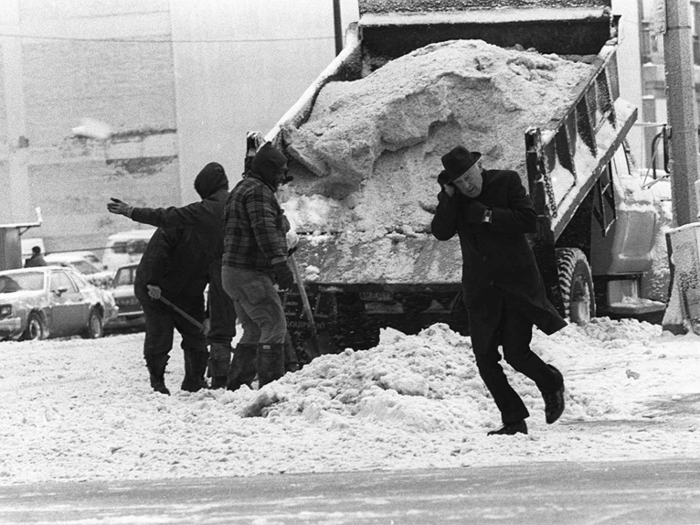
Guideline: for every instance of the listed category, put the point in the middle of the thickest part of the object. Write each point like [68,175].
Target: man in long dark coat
[206,218]
[503,290]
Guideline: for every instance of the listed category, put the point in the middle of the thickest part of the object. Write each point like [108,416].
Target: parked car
[89,256]
[52,301]
[126,247]
[130,314]
[82,263]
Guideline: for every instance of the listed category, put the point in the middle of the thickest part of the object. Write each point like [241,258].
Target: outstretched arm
[171,217]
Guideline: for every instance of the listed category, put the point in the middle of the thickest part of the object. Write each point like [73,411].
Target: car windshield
[33,281]
[84,267]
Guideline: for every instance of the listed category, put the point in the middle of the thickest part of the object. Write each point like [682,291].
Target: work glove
[119,207]
[283,275]
[475,211]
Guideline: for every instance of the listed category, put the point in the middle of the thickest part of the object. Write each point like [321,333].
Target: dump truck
[534,88]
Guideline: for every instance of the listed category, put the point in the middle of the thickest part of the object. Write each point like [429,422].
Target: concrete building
[131,98]
[654,105]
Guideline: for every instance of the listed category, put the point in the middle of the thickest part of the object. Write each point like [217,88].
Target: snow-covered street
[83,409]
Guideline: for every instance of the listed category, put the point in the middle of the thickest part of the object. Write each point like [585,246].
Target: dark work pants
[496,323]
[222,314]
[161,320]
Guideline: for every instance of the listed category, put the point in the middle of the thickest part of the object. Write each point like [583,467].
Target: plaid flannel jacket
[254,227]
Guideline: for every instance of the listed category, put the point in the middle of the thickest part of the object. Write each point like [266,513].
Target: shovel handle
[302,293]
[183,313]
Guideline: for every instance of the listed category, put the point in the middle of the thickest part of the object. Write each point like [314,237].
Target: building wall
[178,82]
[629,70]
[109,61]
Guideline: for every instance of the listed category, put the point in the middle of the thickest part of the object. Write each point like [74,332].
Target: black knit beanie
[211,179]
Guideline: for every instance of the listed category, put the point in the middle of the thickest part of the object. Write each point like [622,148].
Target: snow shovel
[317,344]
[184,314]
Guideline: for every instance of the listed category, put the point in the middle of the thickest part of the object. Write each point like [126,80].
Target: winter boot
[156,369]
[242,370]
[270,362]
[219,364]
[195,367]
[291,361]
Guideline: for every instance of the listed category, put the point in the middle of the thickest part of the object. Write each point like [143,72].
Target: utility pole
[337,27]
[682,111]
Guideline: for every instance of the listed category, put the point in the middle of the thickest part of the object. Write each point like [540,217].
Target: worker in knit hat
[255,267]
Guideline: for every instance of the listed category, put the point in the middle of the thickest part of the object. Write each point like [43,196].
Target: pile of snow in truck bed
[373,145]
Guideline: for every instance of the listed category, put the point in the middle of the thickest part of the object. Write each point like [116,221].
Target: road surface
[629,493]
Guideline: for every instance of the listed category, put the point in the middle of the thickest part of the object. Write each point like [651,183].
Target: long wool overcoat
[497,257]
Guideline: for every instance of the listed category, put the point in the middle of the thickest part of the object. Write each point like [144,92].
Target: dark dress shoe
[554,401]
[510,429]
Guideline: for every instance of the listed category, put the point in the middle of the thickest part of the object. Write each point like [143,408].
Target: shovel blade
[319,345]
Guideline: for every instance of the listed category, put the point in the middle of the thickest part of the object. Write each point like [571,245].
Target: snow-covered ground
[83,410]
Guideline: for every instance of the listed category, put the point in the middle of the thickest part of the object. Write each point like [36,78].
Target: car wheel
[95,327]
[36,328]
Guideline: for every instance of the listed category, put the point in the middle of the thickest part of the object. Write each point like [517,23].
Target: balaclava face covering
[267,162]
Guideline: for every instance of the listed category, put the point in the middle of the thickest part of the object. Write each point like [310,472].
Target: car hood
[123,291]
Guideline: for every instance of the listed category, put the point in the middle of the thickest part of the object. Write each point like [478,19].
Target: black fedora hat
[457,161]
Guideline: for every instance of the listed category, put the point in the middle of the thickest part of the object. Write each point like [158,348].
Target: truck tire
[576,285]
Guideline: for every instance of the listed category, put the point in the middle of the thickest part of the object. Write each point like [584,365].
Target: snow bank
[83,410]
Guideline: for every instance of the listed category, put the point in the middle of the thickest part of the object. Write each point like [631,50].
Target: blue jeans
[257,303]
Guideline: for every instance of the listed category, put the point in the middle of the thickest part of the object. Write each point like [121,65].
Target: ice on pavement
[83,410]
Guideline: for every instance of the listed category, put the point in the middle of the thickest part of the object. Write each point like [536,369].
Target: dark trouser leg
[484,329]
[194,346]
[516,337]
[222,316]
[158,339]
[270,363]
[243,367]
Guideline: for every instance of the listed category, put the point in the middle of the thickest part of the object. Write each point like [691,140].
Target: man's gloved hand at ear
[447,187]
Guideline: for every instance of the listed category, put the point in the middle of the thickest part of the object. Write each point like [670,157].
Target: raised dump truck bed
[534,89]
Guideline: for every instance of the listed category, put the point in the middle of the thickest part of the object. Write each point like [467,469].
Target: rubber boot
[242,371]
[156,369]
[291,361]
[195,367]
[270,362]
[219,364]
